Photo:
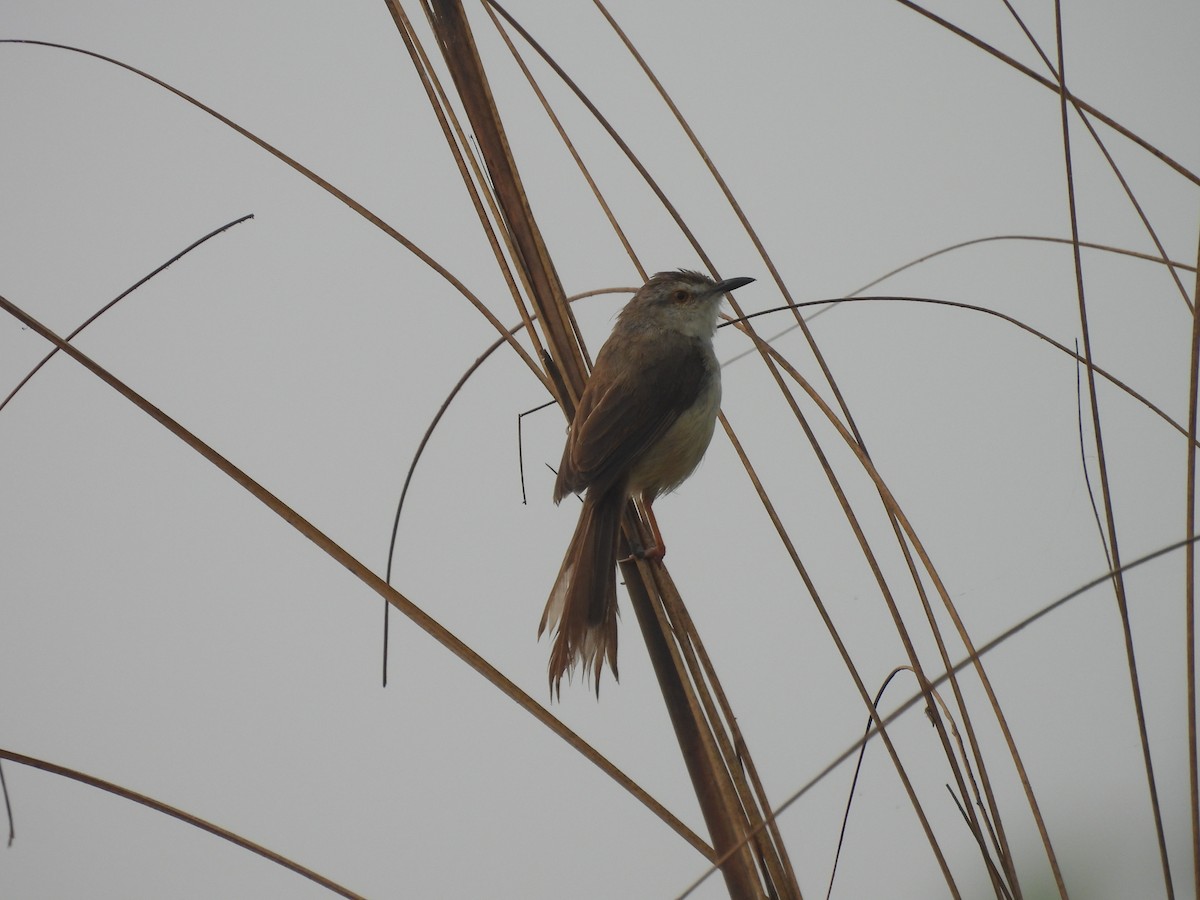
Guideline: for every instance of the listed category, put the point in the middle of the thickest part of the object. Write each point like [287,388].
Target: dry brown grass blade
[1102,464]
[320,182]
[1083,117]
[569,144]
[737,210]
[117,299]
[964,663]
[740,759]
[1049,239]
[1006,856]
[1053,85]
[997,880]
[996,314]
[531,257]
[894,509]
[730,745]
[364,574]
[473,177]
[1190,591]
[885,591]
[831,304]
[454,37]
[718,803]
[176,813]
[828,376]
[671,211]
[733,751]
[843,651]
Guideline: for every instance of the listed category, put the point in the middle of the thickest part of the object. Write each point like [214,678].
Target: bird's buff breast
[676,455]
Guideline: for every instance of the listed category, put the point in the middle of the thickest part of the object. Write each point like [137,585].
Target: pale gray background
[159,628]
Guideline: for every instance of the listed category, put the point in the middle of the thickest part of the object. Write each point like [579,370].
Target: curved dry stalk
[864,546]
[819,358]
[997,879]
[723,806]
[1102,464]
[673,212]
[530,256]
[862,753]
[969,660]
[663,199]
[730,743]
[1083,466]
[1044,238]
[408,477]
[472,176]
[970,307]
[1054,86]
[619,141]
[843,651]
[117,299]
[947,303]
[1190,593]
[741,757]
[972,824]
[1112,164]
[316,179]
[570,145]
[412,466]
[364,574]
[893,507]
[759,247]
[12,825]
[176,813]
[1090,245]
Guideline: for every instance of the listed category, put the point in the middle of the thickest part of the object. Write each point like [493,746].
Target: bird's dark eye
[680,296]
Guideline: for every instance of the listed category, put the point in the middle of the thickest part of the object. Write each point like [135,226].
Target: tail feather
[582,609]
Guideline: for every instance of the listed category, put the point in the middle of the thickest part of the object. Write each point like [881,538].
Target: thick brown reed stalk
[715,761]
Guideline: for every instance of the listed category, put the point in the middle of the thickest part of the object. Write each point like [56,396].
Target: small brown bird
[642,426]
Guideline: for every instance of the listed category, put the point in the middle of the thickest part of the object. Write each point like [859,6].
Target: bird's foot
[658,551]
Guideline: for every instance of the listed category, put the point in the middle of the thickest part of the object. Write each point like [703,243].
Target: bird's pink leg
[659,550]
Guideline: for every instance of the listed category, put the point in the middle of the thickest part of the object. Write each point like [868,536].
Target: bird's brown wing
[616,423]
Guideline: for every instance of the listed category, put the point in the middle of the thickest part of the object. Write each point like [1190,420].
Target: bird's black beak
[731,284]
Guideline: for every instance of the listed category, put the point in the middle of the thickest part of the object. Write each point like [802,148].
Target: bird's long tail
[582,609]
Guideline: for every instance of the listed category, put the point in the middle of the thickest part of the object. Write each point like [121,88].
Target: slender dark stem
[1190,592]
[1054,85]
[186,817]
[12,826]
[862,752]
[954,304]
[521,444]
[1102,463]
[1087,478]
[997,880]
[366,576]
[121,296]
[959,666]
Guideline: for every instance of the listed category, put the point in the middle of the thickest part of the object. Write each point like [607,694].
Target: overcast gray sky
[161,629]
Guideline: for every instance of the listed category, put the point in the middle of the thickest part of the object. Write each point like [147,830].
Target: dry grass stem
[365,575]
